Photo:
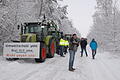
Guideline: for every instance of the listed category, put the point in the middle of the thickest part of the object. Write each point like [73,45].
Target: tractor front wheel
[42,53]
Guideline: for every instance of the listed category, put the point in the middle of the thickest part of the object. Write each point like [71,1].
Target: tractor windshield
[33,29]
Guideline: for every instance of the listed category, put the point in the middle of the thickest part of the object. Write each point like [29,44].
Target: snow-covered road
[104,67]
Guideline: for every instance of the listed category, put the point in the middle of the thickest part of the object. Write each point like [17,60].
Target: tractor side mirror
[18,27]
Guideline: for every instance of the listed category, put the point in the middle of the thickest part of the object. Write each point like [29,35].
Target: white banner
[21,50]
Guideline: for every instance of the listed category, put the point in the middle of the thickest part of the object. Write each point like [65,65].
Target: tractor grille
[23,38]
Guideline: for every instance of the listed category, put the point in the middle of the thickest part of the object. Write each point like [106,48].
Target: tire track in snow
[29,74]
[42,68]
[109,69]
[101,71]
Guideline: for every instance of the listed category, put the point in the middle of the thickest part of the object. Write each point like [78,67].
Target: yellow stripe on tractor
[47,39]
[28,38]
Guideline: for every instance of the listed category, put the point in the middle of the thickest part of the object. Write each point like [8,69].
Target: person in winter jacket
[83,44]
[62,43]
[73,45]
[93,45]
[66,45]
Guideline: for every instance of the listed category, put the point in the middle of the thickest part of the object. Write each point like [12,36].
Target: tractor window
[26,30]
[37,29]
[45,32]
[33,29]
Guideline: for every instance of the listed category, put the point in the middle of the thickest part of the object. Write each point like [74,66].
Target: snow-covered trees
[8,19]
[14,12]
[106,25]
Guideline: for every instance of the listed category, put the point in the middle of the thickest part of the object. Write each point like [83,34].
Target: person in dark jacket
[73,45]
[83,44]
[93,45]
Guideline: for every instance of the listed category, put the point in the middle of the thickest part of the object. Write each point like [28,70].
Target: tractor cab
[32,28]
[33,32]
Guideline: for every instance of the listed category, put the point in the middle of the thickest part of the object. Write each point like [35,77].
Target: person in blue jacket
[93,45]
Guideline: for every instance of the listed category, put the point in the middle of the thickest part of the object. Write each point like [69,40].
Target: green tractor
[44,32]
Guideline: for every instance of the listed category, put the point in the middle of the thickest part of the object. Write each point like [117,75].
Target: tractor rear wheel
[52,48]
[42,53]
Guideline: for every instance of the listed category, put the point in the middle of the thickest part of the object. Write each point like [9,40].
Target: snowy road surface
[104,67]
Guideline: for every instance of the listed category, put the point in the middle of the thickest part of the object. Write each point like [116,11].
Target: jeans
[61,50]
[71,59]
[83,49]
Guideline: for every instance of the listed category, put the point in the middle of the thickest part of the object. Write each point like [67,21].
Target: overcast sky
[80,12]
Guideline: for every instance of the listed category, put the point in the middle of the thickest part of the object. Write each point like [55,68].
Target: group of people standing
[73,44]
